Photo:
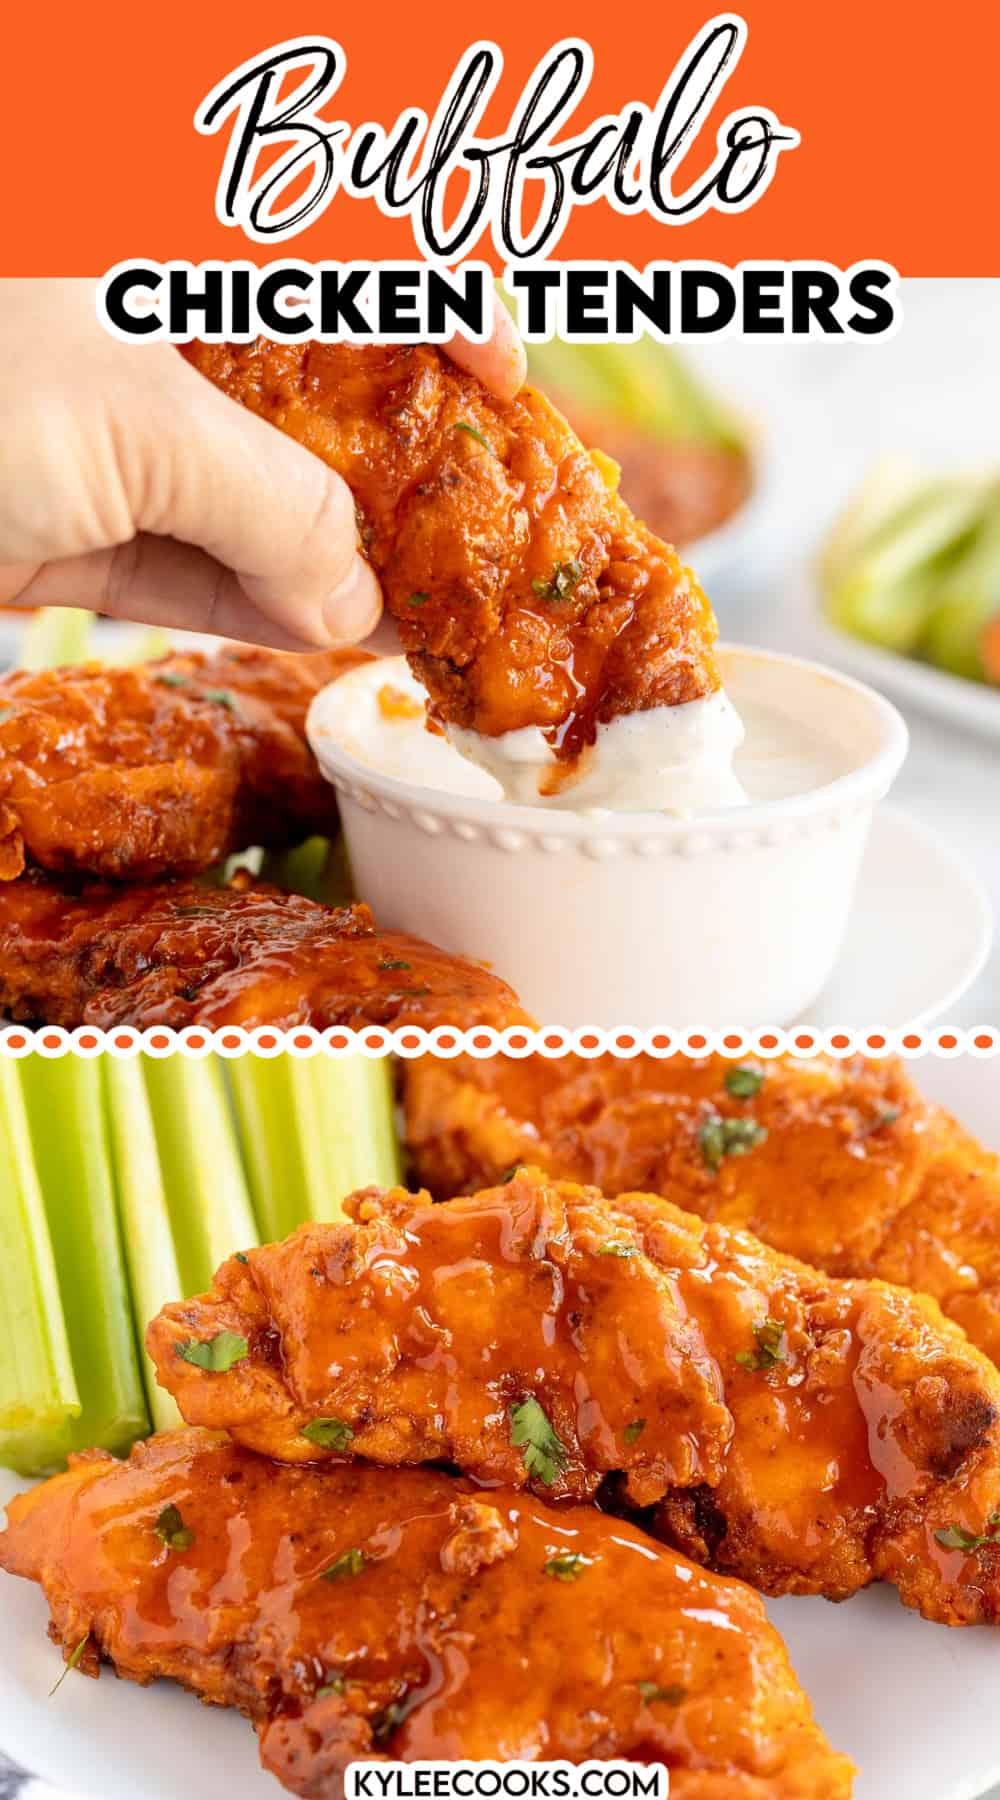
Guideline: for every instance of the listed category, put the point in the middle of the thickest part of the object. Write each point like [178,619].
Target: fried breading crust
[806,1434]
[526,593]
[857,1173]
[164,767]
[448,1633]
[247,954]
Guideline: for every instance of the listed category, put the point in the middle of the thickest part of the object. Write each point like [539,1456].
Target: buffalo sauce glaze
[788,1427]
[843,1397]
[526,593]
[355,1612]
[135,773]
[244,954]
[426,1329]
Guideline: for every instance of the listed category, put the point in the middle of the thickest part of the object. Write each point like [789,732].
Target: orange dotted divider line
[515,1041]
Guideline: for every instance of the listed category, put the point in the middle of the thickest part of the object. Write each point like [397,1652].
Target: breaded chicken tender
[806,1434]
[525,591]
[352,1614]
[161,768]
[841,1163]
[247,954]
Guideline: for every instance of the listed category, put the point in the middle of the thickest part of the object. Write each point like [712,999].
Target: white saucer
[919,932]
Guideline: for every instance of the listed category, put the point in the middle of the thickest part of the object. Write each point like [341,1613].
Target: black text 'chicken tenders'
[351,1614]
[161,768]
[807,1434]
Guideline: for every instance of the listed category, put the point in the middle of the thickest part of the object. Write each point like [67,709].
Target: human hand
[131,486]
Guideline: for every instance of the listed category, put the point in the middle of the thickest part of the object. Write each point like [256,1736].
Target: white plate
[899,966]
[912,1703]
[888,1688]
[968,704]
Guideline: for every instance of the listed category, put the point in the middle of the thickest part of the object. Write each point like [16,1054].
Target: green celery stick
[280,1153]
[336,888]
[65,1109]
[200,1165]
[301,870]
[576,375]
[663,396]
[966,600]
[352,1113]
[313,1129]
[38,1392]
[647,386]
[146,647]
[386,1160]
[56,635]
[886,593]
[889,486]
[154,1276]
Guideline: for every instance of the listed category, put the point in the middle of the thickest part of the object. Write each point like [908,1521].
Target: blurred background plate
[92,638]
[969,705]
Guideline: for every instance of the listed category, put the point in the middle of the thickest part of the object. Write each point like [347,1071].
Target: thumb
[219,478]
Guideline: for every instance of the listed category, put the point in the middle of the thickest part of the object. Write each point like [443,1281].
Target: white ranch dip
[686,760]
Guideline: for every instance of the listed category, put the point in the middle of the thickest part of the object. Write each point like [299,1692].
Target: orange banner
[895,107]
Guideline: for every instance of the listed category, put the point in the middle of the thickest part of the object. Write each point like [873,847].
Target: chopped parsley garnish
[385,1722]
[418,599]
[217,1355]
[70,1663]
[955,1537]
[530,1431]
[888,1117]
[562,581]
[567,1566]
[650,1691]
[463,425]
[329,1434]
[221,697]
[170,678]
[349,1563]
[395,963]
[337,1684]
[770,1340]
[634,1431]
[172,1531]
[744,1081]
[720,1137]
[617,1248]
[508,1174]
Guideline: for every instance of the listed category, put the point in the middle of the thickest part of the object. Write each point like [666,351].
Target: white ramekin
[636,919]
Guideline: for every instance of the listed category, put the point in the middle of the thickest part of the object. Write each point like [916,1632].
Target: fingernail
[353,608]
